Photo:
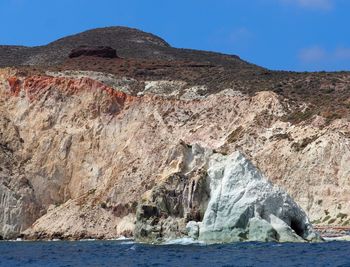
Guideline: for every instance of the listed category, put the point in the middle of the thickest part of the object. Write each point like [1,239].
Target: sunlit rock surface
[245,206]
[80,150]
[215,198]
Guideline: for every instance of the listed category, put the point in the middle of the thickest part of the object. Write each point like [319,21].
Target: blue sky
[302,35]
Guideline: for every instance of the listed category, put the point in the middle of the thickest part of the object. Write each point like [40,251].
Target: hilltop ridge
[129,43]
[145,56]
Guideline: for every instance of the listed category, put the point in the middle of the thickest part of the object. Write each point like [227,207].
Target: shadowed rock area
[94,51]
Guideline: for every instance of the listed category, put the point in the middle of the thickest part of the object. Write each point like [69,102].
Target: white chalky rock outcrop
[245,206]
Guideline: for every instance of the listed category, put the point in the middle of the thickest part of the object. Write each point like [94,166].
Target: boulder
[95,51]
[244,205]
[261,230]
[192,229]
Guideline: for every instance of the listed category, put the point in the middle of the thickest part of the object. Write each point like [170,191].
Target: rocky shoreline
[211,198]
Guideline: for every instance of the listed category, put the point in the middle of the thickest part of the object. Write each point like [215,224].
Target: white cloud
[312,4]
[240,35]
[312,54]
[233,38]
[342,53]
[318,54]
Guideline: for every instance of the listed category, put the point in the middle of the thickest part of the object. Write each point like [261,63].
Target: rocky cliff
[82,150]
[78,155]
[215,198]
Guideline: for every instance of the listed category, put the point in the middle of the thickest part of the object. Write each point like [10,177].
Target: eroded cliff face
[78,154]
[217,198]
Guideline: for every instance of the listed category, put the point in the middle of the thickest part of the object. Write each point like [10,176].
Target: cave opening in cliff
[297,227]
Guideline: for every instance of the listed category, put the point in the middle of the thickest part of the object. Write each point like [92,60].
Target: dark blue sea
[123,253]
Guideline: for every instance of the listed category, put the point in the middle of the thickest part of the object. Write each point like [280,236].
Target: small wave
[277,245]
[15,240]
[122,238]
[337,238]
[183,241]
[133,247]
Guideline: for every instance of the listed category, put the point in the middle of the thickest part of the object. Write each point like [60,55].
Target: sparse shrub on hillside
[235,135]
[299,116]
[342,216]
[326,218]
[299,146]
[331,221]
[325,93]
[347,222]
[331,115]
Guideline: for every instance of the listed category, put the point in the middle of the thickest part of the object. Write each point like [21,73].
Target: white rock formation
[245,206]
[123,84]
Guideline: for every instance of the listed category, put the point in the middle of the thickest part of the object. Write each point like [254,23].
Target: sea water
[128,253]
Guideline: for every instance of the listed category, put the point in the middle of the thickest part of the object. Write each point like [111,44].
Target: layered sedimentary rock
[79,157]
